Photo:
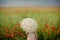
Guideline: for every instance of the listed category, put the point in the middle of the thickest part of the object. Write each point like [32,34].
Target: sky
[28,3]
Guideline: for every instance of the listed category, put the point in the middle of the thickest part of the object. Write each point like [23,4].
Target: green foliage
[9,19]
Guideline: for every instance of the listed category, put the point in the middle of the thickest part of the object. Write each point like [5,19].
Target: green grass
[9,19]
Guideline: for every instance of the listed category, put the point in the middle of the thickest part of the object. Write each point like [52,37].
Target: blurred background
[25,3]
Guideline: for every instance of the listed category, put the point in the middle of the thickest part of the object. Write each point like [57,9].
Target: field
[48,19]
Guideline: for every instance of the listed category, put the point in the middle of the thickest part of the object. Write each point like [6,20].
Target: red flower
[43,30]
[12,35]
[46,25]
[7,35]
[48,33]
[53,29]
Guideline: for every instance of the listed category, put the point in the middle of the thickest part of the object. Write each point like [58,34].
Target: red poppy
[7,35]
[48,33]
[46,25]
[12,35]
[53,29]
[43,30]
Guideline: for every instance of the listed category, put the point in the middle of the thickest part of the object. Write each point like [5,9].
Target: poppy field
[48,20]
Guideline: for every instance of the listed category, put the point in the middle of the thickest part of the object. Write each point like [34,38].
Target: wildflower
[12,35]
[7,35]
[44,30]
[48,33]
[53,29]
[46,25]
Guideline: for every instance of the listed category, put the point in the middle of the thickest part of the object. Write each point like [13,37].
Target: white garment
[31,36]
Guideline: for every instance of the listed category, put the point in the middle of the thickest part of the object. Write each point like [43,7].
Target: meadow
[48,19]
